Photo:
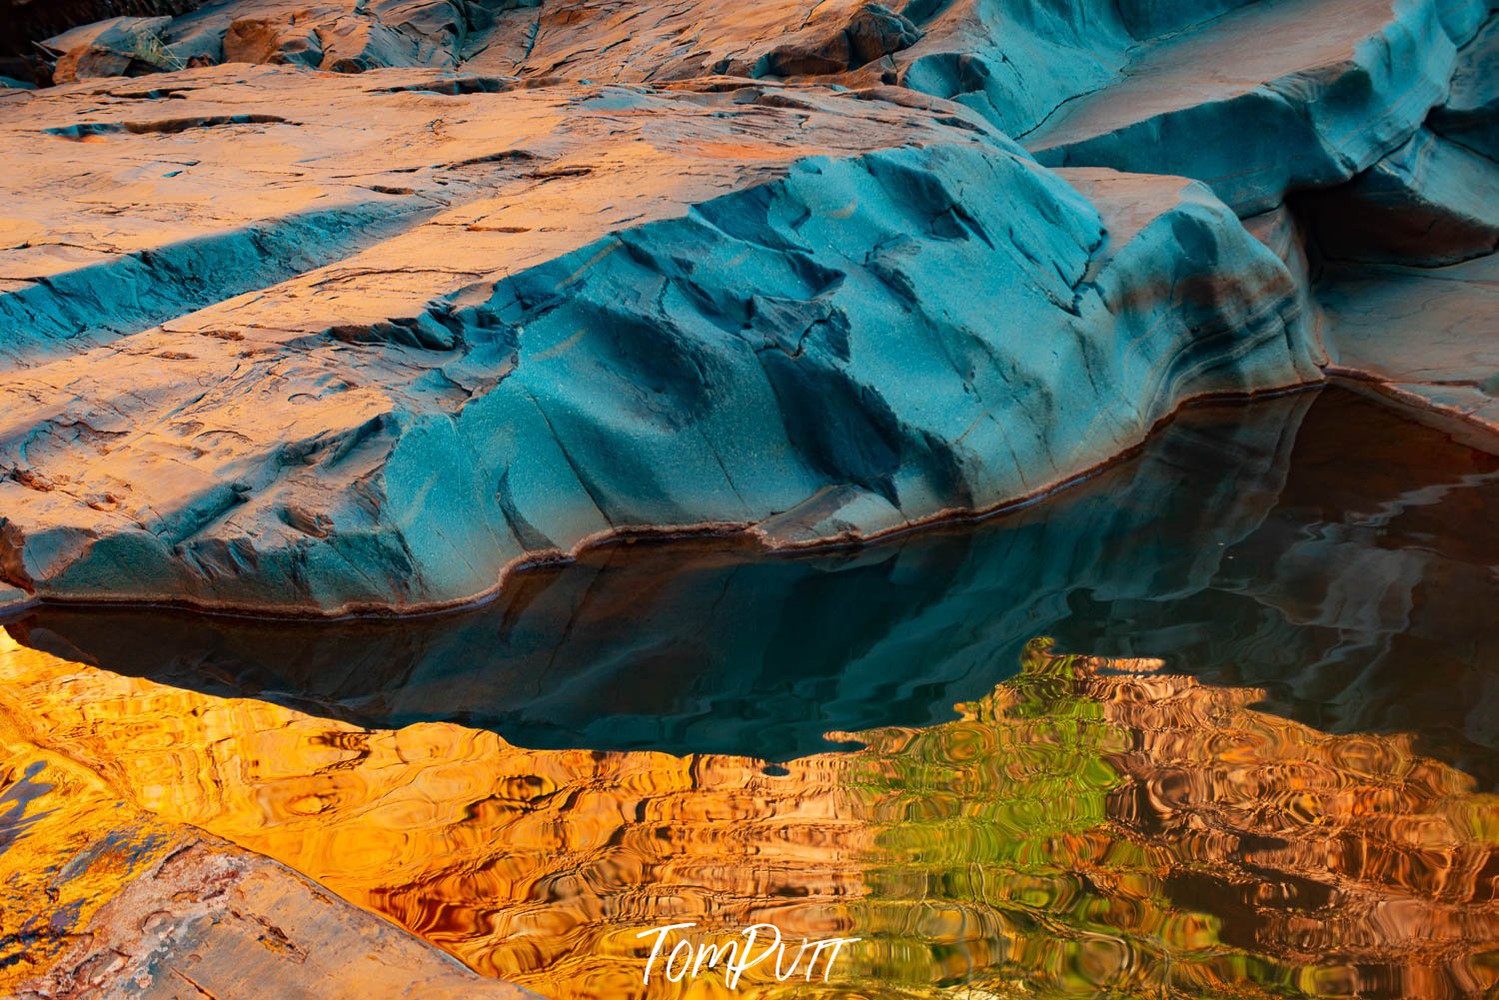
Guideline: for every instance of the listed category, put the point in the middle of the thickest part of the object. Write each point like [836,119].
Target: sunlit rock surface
[341,37]
[604,309]
[103,899]
[359,306]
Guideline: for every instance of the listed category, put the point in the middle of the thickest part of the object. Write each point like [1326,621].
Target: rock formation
[1319,546]
[360,305]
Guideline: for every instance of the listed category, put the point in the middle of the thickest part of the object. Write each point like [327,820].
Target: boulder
[757,299]
[1430,202]
[119,46]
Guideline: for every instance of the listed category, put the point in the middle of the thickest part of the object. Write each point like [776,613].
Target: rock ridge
[410,295]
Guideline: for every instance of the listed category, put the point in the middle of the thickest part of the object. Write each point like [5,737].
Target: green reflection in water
[1090,828]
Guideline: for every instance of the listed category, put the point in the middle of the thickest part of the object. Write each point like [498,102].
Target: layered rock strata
[282,338]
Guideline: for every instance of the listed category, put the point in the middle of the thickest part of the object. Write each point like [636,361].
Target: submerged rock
[104,899]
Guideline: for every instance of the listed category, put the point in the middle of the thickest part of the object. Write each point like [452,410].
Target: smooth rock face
[1346,84]
[278,337]
[1451,367]
[1470,115]
[1018,61]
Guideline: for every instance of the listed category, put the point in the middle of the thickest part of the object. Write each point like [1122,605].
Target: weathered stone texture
[279,337]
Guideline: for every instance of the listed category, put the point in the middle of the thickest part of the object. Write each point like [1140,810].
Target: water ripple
[1090,827]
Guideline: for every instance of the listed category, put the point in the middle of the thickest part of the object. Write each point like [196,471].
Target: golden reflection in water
[67,842]
[1090,827]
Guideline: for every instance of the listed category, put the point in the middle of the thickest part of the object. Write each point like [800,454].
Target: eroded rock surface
[279,337]
[609,309]
[349,306]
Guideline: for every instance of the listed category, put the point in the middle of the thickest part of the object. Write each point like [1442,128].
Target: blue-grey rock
[1248,545]
[328,369]
[731,332]
[1345,85]
[1430,202]
[1018,61]
[1470,115]
[947,610]
[1148,19]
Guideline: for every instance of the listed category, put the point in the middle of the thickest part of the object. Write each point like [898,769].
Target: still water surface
[1281,783]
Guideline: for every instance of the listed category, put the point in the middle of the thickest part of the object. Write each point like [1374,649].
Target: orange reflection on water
[1089,826]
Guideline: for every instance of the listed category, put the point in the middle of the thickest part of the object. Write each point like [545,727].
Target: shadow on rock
[1316,545]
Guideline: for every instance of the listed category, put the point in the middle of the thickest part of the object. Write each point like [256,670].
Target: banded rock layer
[283,338]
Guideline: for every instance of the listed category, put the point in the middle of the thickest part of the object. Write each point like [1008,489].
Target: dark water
[1316,545]
[1267,776]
